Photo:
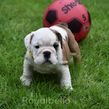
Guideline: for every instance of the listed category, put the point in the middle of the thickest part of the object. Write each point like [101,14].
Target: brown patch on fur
[31,38]
[72,43]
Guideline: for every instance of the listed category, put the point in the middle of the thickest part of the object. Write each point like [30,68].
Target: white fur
[45,38]
[61,31]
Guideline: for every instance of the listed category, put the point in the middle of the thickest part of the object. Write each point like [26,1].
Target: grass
[91,83]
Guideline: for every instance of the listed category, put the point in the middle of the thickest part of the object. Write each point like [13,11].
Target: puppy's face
[45,46]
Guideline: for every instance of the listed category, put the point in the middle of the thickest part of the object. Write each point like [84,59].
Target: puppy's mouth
[47,62]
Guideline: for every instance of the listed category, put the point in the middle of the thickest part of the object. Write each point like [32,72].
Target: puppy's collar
[30,54]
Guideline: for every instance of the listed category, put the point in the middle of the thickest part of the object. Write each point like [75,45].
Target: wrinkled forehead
[44,36]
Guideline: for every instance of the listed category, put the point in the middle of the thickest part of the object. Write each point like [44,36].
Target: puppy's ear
[58,36]
[28,39]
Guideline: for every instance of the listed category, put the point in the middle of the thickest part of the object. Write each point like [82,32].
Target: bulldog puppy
[48,51]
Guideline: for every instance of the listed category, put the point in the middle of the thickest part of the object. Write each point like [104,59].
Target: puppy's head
[45,46]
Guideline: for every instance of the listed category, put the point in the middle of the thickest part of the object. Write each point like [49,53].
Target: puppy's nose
[46,54]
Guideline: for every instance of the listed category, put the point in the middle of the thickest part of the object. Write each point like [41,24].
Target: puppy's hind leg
[26,77]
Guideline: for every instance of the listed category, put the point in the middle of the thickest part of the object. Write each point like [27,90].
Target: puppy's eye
[37,46]
[55,45]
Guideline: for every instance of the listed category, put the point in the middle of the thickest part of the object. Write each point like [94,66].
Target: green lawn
[91,82]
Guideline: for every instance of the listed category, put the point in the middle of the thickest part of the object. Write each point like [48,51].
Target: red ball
[71,12]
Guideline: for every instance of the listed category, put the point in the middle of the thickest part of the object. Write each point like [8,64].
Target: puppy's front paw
[67,86]
[70,88]
[26,80]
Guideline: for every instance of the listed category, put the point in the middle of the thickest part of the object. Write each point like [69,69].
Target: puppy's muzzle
[46,55]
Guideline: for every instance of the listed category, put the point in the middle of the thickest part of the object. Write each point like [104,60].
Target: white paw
[26,81]
[70,88]
[67,86]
